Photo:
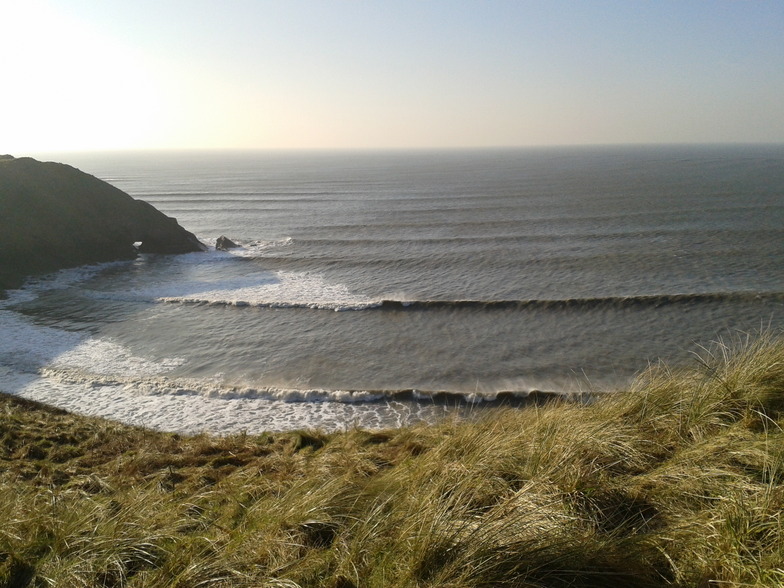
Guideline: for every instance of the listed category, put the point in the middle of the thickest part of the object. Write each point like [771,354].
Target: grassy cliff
[675,482]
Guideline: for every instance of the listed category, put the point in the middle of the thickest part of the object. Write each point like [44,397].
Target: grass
[674,482]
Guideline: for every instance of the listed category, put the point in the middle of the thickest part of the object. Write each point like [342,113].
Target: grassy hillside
[677,481]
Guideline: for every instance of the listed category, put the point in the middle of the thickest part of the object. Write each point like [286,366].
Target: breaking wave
[214,388]
[347,302]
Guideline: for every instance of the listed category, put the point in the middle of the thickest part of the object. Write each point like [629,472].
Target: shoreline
[192,413]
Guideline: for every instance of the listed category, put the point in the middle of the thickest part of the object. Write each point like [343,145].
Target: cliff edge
[53,216]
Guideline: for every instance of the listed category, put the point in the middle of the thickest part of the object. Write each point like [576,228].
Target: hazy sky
[118,74]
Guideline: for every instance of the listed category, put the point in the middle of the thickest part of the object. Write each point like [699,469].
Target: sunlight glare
[70,86]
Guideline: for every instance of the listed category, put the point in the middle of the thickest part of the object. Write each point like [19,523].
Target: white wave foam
[58,280]
[103,357]
[194,406]
[258,248]
[288,289]
[28,348]
[255,248]
[155,383]
[197,405]
[222,415]
[17,297]
[190,278]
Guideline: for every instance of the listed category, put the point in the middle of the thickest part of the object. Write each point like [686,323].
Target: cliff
[53,216]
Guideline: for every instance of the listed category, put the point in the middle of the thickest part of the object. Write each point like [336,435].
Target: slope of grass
[677,481]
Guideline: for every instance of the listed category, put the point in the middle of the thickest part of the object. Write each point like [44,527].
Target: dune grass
[674,482]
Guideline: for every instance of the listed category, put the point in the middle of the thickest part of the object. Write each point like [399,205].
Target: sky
[320,74]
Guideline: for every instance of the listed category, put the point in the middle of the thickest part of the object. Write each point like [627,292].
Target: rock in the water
[53,216]
[224,243]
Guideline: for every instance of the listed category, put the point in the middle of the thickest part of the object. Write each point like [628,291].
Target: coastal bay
[382,289]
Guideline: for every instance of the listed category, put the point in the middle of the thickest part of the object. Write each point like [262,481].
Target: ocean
[382,288]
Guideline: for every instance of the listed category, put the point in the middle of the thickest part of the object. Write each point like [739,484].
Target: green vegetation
[677,481]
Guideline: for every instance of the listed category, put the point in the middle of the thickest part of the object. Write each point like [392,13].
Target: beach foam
[278,289]
[132,402]
[58,280]
[257,248]
[107,358]
[28,347]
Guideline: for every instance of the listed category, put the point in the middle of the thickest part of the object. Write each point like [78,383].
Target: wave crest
[213,388]
[347,302]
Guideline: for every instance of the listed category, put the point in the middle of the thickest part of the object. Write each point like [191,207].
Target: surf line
[643,301]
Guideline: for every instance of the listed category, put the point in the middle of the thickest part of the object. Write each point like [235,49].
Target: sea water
[381,288]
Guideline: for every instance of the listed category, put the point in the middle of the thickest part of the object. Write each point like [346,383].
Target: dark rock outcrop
[224,243]
[53,216]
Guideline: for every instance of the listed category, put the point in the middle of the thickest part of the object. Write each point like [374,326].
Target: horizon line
[407,149]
